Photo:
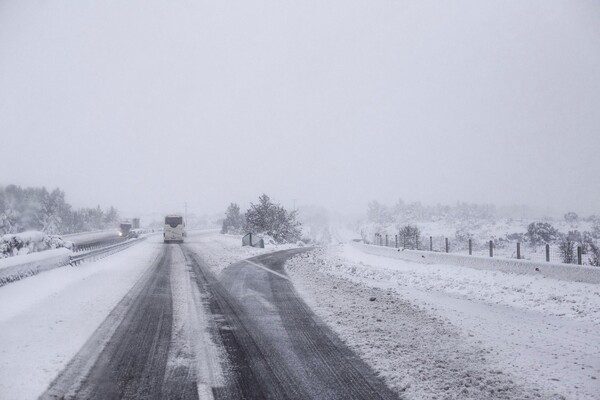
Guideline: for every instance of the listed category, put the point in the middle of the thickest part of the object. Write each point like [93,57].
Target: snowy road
[277,347]
[210,319]
[173,328]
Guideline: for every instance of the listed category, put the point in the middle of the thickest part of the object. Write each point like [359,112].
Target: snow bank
[30,242]
[15,268]
[566,272]
[419,354]
[222,250]
[539,333]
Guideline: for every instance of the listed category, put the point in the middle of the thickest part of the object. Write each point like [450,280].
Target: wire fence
[566,253]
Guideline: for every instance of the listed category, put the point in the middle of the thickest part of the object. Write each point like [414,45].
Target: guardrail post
[470,247]
[547,253]
[447,246]
[430,243]
[579,255]
[518,250]
[491,248]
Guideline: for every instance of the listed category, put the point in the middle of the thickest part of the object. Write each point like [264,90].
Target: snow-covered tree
[595,255]
[571,217]
[567,250]
[234,220]
[111,217]
[378,213]
[274,220]
[409,237]
[541,232]
[37,209]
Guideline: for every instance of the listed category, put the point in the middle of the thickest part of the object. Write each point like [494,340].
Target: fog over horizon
[146,105]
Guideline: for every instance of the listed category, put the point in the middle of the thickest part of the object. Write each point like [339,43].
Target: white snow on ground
[46,319]
[580,301]
[15,268]
[220,251]
[191,343]
[440,331]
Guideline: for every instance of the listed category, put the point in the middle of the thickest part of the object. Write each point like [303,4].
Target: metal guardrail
[98,253]
[98,244]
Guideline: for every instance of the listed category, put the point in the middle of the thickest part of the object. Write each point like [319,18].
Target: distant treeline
[33,208]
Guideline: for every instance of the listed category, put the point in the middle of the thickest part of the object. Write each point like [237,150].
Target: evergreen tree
[541,232]
[37,209]
[274,220]
[234,221]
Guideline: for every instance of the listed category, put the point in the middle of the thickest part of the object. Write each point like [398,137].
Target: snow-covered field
[440,331]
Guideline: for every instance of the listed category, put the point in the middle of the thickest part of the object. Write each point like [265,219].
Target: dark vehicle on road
[124,229]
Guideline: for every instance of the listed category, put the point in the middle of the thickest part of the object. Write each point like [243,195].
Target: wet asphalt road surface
[274,346]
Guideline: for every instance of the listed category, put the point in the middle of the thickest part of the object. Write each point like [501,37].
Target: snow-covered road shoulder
[221,251]
[566,272]
[439,331]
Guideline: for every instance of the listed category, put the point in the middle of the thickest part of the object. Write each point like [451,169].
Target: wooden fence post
[447,246]
[547,253]
[579,255]
[430,243]
[518,250]
[491,248]
[470,247]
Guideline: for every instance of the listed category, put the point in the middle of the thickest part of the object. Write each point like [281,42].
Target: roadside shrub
[595,255]
[30,242]
[567,250]
[541,232]
[410,237]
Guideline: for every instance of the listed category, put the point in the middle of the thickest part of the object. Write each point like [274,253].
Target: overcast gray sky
[147,104]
